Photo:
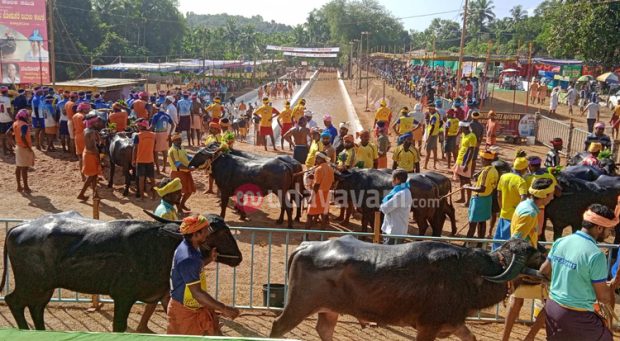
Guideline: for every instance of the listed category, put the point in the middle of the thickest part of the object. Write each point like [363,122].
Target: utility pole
[91,66]
[433,63]
[359,61]
[367,67]
[350,58]
[529,69]
[50,37]
[459,70]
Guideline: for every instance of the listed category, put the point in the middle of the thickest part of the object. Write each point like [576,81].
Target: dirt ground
[56,183]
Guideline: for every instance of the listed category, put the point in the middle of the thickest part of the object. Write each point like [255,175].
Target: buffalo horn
[160,219]
[533,273]
[512,271]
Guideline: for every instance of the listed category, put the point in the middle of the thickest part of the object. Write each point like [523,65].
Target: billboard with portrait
[24,56]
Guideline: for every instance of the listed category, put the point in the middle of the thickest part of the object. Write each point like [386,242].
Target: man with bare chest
[91,164]
[298,138]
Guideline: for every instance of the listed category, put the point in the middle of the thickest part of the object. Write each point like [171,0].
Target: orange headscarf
[193,224]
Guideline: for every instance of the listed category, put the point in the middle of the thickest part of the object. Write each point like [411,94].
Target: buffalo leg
[223,203]
[15,301]
[463,333]
[427,333]
[37,309]
[326,324]
[112,168]
[122,307]
[127,176]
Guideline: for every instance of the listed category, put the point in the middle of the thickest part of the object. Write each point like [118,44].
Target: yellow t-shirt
[524,223]
[346,158]
[286,116]
[298,111]
[188,300]
[435,122]
[406,159]
[467,141]
[529,178]
[453,126]
[383,114]
[265,112]
[315,147]
[367,155]
[215,109]
[617,110]
[405,124]
[213,138]
[512,186]
[179,155]
[488,178]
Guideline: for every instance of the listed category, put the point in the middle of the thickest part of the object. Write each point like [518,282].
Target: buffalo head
[517,257]
[205,155]
[219,237]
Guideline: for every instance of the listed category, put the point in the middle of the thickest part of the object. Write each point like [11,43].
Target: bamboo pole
[529,70]
[376,238]
[460,66]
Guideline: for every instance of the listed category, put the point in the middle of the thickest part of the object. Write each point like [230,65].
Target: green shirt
[577,263]
[166,211]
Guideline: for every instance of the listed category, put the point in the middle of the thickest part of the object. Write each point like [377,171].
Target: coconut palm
[480,13]
[517,14]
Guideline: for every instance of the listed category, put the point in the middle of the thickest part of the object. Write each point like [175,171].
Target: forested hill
[220,20]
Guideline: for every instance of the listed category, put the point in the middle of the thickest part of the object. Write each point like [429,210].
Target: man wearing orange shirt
[319,199]
[139,105]
[285,120]
[118,116]
[143,156]
[91,163]
[70,108]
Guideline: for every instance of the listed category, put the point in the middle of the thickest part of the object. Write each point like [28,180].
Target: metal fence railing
[265,254]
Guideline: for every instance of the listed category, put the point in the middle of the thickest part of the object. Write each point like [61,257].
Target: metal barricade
[266,252]
[548,129]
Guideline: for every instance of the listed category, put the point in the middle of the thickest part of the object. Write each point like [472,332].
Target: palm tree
[480,14]
[517,14]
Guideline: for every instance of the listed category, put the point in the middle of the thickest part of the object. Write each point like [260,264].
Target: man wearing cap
[343,130]
[6,118]
[406,156]
[491,129]
[451,130]
[432,135]
[191,310]
[463,166]
[215,136]
[184,106]
[143,156]
[538,172]
[51,127]
[169,190]
[367,153]
[592,159]
[524,225]
[78,130]
[63,126]
[383,114]
[329,127]
[593,115]
[404,123]
[457,109]
[481,203]
[215,110]
[553,155]
[179,167]
[511,190]
[315,147]
[396,206]
[598,136]
[91,163]
[266,113]
[327,147]
[162,125]
[139,105]
[285,121]
[319,199]
[99,102]
[20,101]
[118,117]
[578,270]
[478,129]
[172,111]
[346,158]
[309,121]
[298,110]
[24,156]
[197,112]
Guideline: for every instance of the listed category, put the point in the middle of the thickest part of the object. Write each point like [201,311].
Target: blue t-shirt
[333,132]
[160,100]
[184,106]
[576,264]
[160,121]
[186,269]
[36,101]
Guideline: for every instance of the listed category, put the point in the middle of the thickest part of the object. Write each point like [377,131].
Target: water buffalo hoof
[110,185]
[125,192]
[279,221]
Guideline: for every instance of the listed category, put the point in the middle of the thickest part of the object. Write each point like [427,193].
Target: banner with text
[24,56]
[311,55]
[303,49]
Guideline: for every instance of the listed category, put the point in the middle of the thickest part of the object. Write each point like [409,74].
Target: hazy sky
[295,12]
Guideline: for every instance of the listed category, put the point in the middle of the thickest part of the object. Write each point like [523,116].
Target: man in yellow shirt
[367,154]
[266,113]
[524,225]
[285,121]
[481,203]
[215,110]
[298,110]
[463,165]
[383,114]
[432,135]
[406,156]
[346,158]
[511,190]
[404,124]
[537,172]
[315,147]
[451,130]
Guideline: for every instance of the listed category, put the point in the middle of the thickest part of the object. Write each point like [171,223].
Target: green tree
[480,14]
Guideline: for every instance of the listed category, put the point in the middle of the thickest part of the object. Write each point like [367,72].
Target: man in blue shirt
[38,122]
[333,132]
[578,272]
[163,126]
[191,310]
[184,106]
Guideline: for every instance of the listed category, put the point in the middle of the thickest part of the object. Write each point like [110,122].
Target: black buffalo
[120,153]
[129,260]
[233,173]
[444,187]
[431,286]
[607,165]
